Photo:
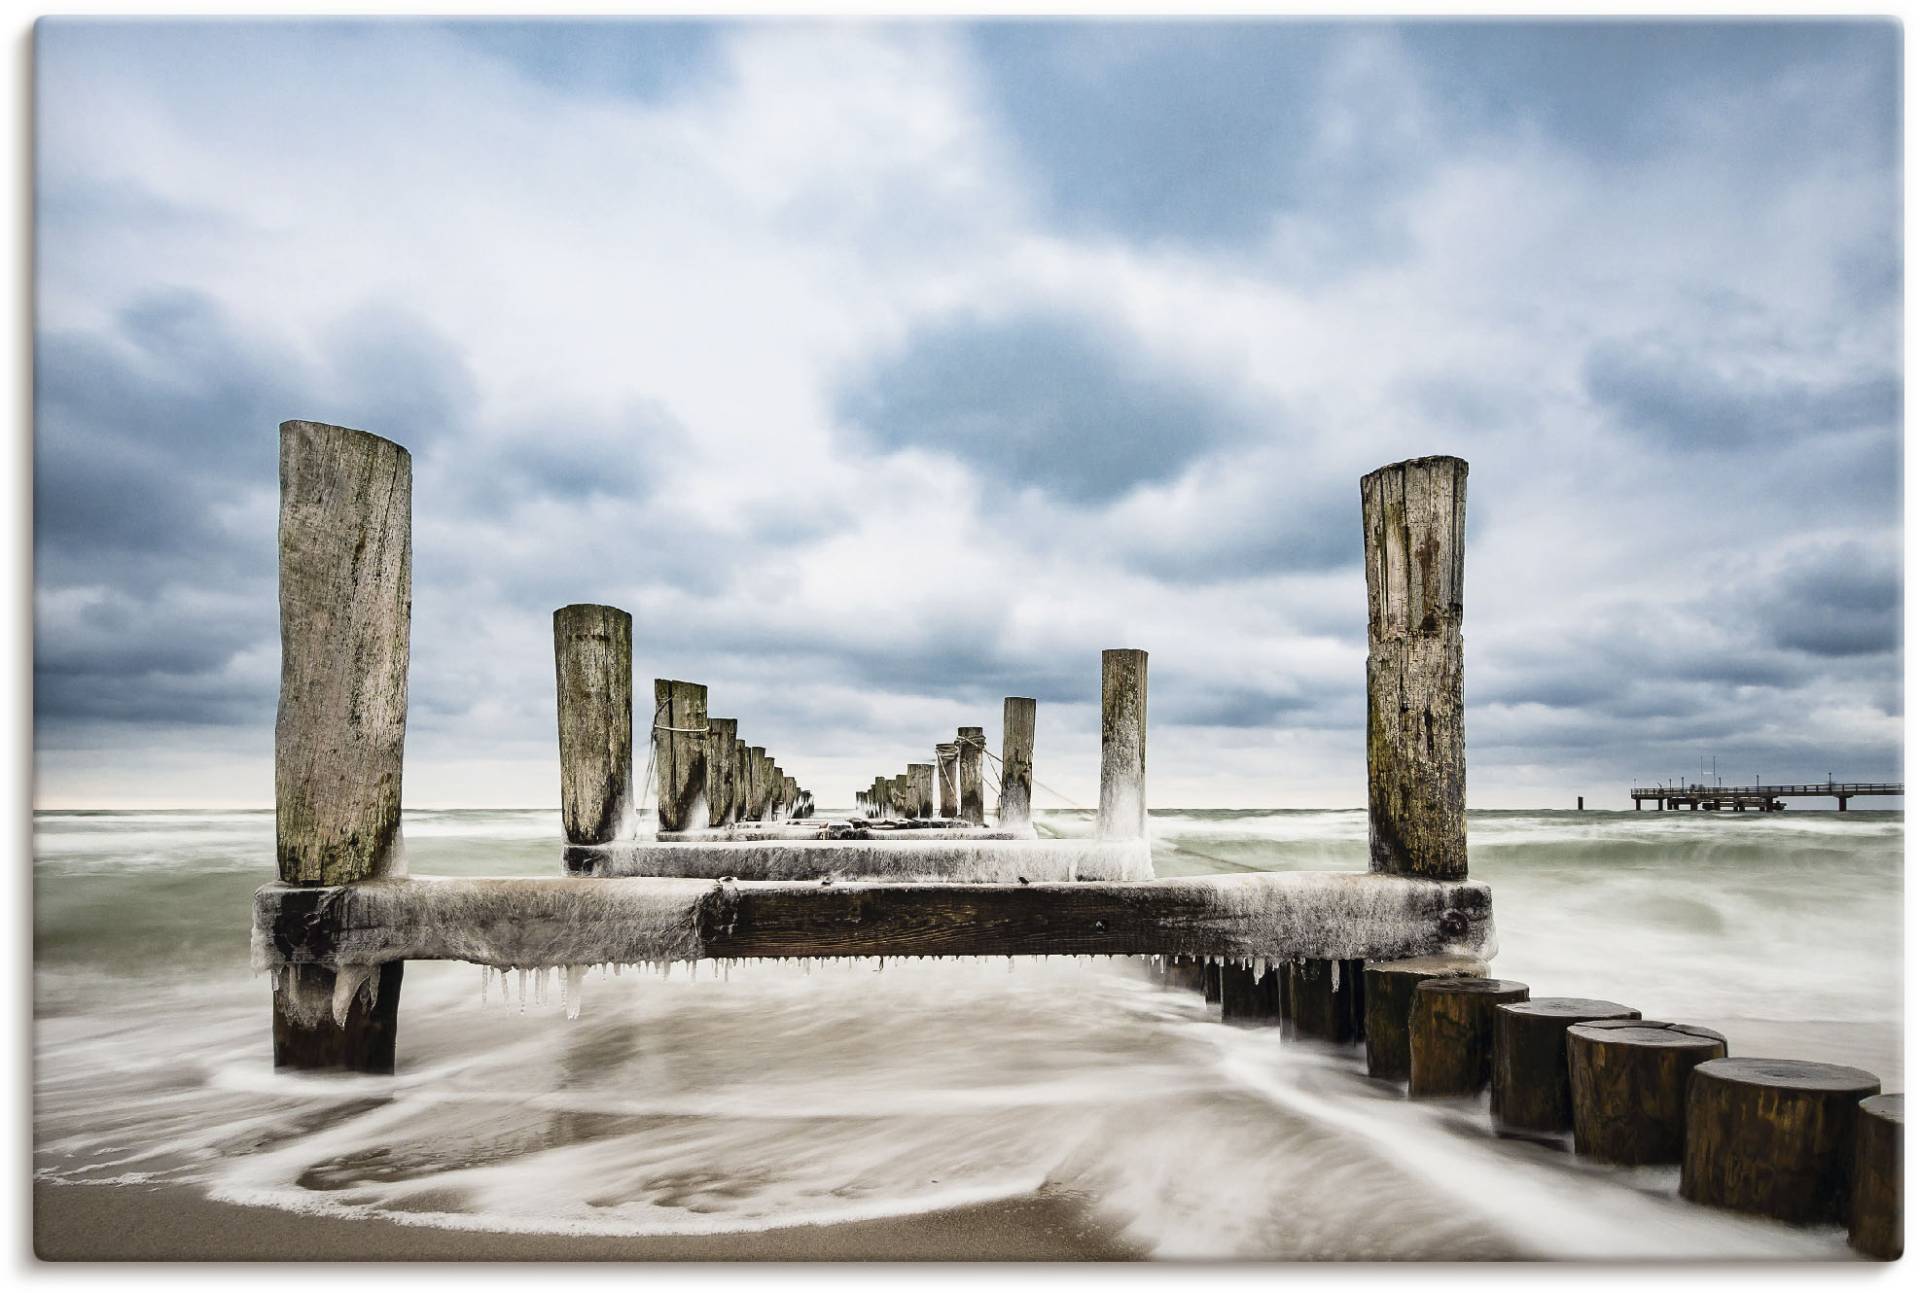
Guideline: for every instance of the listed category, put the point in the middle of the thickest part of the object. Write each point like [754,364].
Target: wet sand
[80,1223]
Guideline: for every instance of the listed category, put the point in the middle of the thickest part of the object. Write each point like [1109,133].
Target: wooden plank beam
[555,921]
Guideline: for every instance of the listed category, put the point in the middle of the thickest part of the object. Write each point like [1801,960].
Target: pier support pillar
[346,599]
[1414,525]
[593,688]
[722,776]
[973,802]
[1016,763]
[946,757]
[922,776]
[680,754]
[1123,745]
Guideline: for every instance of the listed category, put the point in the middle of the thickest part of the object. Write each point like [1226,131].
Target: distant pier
[1759,799]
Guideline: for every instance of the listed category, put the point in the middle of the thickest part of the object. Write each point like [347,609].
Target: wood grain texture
[973,799]
[593,687]
[680,754]
[1248,995]
[1532,1094]
[1017,714]
[1450,1034]
[1123,745]
[1773,1137]
[1629,1081]
[305,1036]
[723,775]
[1190,916]
[346,607]
[1389,993]
[1326,1003]
[1413,517]
[1876,1215]
[946,757]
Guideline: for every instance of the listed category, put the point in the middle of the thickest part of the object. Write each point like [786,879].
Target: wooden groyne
[733,866]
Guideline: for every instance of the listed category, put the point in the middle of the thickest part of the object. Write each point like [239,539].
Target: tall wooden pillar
[346,609]
[1123,745]
[1414,517]
[593,686]
[1016,763]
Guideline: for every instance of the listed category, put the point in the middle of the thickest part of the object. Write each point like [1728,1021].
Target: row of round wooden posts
[705,774]
[956,771]
[1795,1140]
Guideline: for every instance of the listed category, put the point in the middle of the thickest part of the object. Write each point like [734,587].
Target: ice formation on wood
[962,861]
[526,923]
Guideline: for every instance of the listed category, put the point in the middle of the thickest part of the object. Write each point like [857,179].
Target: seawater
[772,1096]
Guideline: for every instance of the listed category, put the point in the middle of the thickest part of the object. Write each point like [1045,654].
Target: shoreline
[177,1223]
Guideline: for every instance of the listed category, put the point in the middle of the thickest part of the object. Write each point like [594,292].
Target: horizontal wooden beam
[571,921]
[964,856]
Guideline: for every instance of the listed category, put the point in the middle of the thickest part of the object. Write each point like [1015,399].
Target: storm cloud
[886,369]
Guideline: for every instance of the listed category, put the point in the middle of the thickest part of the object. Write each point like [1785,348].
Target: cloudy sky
[882,371]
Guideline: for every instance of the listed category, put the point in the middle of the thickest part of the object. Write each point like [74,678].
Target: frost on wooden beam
[573,921]
[973,857]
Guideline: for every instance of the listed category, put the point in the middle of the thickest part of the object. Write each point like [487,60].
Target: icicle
[1336,974]
[485,974]
[520,976]
[570,993]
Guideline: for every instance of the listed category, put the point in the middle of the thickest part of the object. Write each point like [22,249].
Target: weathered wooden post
[1413,517]
[346,607]
[1123,745]
[973,802]
[1773,1137]
[776,791]
[1876,1219]
[1245,994]
[1325,999]
[742,782]
[593,688]
[790,796]
[1532,1094]
[757,788]
[1629,1080]
[680,754]
[1016,763]
[722,776]
[1388,997]
[1450,1034]
[946,757]
[922,774]
[897,792]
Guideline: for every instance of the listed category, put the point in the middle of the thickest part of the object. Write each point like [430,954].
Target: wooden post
[1123,745]
[1320,1007]
[1388,997]
[723,735]
[742,781]
[1016,763]
[1629,1081]
[790,796]
[1450,1034]
[776,792]
[1773,1137]
[757,788]
[946,757]
[346,608]
[1413,518]
[1532,1095]
[680,754]
[973,803]
[1247,995]
[922,774]
[897,792]
[593,686]
[1876,1221]
[1210,981]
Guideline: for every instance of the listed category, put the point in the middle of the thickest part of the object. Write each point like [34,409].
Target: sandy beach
[112,1223]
